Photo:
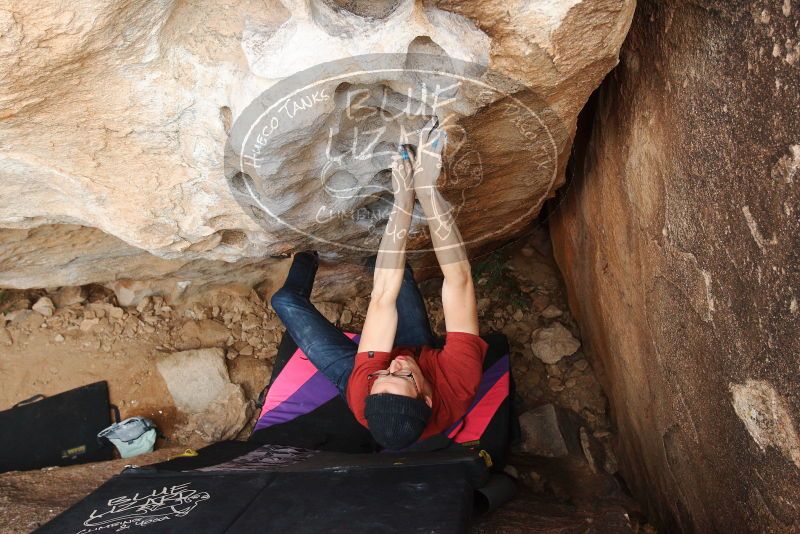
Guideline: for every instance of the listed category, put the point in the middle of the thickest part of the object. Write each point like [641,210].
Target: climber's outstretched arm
[458,292]
[380,324]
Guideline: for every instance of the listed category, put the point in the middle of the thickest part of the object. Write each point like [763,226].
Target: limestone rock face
[115,117]
[678,238]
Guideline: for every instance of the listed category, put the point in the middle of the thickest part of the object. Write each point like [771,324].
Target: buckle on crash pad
[188,453]
[487,458]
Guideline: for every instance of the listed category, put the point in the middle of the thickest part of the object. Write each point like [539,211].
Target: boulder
[678,242]
[200,386]
[119,112]
[195,378]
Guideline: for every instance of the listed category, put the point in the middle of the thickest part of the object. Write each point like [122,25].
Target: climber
[397,385]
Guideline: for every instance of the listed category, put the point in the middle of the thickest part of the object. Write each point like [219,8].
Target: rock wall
[678,237]
[115,117]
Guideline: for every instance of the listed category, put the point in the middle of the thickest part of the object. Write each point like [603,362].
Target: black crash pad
[284,489]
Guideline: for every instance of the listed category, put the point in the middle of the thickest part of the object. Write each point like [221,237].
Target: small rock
[143,304]
[518,315]
[511,471]
[331,310]
[553,343]
[250,322]
[611,465]
[231,354]
[247,350]
[158,301]
[570,383]
[581,365]
[88,324]
[45,307]
[593,450]
[202,334]
[59,338]
[346,317]
[104,309]
[551,312]
[116,313]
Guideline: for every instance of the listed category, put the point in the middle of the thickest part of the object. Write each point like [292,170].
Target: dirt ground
[85,337]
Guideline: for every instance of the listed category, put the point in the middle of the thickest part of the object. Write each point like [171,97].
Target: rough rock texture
[62,254]
[678,238]
[200,386]
[114,119]
[552,343]
[548,431]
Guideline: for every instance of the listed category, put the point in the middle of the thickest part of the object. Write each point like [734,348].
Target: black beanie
[396,421]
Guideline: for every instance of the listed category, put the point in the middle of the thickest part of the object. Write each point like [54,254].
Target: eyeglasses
[405,374]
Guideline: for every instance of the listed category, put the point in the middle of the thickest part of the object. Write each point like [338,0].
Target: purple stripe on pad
[314,393]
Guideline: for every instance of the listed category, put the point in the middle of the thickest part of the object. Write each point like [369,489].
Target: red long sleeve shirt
[454,373]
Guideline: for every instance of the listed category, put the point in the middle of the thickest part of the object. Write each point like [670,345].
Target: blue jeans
[332,352]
